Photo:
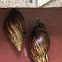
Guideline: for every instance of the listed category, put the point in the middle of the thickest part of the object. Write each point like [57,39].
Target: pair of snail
[39,46]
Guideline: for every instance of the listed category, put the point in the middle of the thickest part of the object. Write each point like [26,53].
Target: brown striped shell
[40,44]
[14,26]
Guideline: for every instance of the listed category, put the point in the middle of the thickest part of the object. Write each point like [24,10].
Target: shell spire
[14,26]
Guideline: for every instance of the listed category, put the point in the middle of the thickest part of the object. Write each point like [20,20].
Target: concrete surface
[54,3]
[27,3]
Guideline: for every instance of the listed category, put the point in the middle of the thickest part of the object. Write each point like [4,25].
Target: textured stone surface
[17,3]
[54,3]
[27,3]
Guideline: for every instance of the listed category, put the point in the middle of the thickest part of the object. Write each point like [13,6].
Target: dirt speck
[60,49]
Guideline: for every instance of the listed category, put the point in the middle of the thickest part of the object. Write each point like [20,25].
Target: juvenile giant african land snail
[14,26]
[39,46]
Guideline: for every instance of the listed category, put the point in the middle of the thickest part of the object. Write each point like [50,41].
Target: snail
[14,26]
[39,46]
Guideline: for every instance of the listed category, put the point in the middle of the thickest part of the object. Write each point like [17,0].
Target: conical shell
[14,26]
[39,46]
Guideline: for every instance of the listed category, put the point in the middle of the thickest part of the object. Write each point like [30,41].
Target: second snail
[39,46]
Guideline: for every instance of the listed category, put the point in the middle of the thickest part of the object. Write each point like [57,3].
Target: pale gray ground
[20,3]
[54,3]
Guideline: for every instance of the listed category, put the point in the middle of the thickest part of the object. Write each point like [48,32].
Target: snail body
[40,44]
[14,26]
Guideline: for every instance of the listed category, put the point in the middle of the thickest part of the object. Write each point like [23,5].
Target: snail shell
[14,26]
[40,44]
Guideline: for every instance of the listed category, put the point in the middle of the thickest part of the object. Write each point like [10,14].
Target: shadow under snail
[39,46]
[14,26]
